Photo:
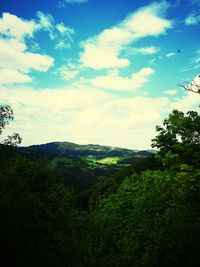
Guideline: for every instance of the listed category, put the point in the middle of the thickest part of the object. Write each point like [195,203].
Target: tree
[178,140]
[7,115]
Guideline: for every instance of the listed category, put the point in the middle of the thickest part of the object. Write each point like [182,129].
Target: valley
[83,165]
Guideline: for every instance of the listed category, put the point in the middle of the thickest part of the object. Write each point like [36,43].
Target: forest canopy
[145,215]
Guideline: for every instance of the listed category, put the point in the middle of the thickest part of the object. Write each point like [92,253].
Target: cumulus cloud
[113,81]
[14,55]
[14,27]
[16,59]
[16,62]
[104,50]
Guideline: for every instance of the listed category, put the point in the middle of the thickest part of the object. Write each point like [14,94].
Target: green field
[105,161]
[109,160]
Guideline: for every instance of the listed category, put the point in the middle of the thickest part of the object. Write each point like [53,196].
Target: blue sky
[97,71]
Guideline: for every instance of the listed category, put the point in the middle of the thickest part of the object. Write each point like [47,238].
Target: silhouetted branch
[192,86]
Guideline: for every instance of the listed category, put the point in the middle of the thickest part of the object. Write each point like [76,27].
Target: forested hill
[72,149]
[83,165]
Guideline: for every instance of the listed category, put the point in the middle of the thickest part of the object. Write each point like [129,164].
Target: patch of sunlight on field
[109,160]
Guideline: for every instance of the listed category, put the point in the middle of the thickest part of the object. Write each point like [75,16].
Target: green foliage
[178,140]
[148,163]
[153,220]
[76,172]
[80,171]
[36,216]
[140,216]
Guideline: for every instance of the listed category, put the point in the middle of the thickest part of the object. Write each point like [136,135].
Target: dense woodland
[146,214]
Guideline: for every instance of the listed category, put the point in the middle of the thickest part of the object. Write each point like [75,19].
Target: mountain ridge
[66,148]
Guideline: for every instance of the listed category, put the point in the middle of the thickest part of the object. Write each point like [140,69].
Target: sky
[97,72]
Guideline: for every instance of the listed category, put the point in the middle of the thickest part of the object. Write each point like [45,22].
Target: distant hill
[72,149]
[90,153]
[83,165]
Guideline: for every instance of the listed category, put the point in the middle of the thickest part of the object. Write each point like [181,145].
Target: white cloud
[103,50]
[46,23]
[67,34]
[147,21]
[171,54]
[143,50]
[17,61]
[69,71]
[35,46]
[65,30]
[11,25]
[113,81]
[67,74]
[102,57]
[62,44]
[14,55]
[188,102]
[16,58]
[170,92]
[86,115]
[83,115]
[60,32]
[192,19]
[9,76]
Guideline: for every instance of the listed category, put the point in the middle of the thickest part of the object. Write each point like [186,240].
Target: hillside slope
[75,150]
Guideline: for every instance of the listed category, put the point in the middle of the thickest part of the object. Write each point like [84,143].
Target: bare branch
[192,86]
